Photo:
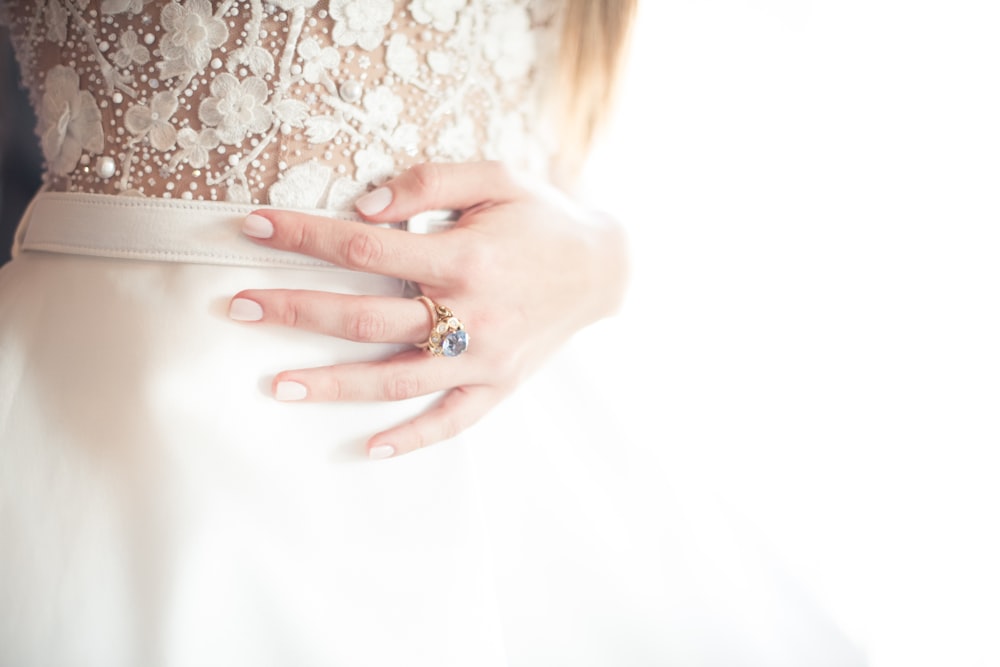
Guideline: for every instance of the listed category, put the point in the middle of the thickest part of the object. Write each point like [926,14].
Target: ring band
[448,337]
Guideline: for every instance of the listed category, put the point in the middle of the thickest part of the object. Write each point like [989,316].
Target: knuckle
[361,250]
[333,390]
[300,238]
[508,368]
[502,173]
[476,260]
[367,326]
[450,427]
[419,440]
[288,312]
[426,179]
[400,387]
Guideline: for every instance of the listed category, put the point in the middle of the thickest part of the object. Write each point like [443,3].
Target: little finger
[459,409]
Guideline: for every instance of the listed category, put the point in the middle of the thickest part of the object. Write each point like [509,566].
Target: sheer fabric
[293,103]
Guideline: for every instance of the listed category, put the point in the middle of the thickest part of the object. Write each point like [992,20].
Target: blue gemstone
[455,343]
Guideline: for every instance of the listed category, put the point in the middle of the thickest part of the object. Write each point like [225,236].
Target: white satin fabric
[159,508]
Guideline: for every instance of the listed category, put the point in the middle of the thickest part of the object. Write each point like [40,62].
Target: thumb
[430,186]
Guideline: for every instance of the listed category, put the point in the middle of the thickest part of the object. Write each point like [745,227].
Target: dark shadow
[20,156]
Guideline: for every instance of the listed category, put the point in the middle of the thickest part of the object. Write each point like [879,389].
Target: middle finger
[359,246]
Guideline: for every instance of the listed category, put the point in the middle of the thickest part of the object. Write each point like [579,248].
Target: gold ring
[448,337]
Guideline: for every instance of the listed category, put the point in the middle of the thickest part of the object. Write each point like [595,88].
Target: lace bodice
[293,103]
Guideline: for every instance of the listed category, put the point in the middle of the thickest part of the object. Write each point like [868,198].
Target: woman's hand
[524,268]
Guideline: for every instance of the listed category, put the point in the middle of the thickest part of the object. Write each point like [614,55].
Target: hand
[524,268]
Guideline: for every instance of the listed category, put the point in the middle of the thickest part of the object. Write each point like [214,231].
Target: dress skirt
[159,507]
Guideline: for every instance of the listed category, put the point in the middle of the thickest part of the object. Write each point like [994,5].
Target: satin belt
[169,230]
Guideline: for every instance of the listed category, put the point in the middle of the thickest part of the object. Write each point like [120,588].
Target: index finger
[359,246]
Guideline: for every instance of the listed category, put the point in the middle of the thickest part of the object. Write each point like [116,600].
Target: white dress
[157,505]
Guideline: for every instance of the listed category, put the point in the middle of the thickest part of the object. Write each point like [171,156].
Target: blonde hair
[595,33]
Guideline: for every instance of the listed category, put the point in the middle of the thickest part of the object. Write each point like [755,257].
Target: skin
[524,268]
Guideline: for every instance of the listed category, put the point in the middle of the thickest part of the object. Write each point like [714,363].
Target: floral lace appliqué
[70,121]
[298,103]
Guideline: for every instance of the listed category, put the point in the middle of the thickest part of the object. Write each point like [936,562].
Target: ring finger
[409,374]
[366,319]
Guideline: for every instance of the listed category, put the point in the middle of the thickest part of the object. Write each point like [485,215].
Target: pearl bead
[106,167]
[350,91]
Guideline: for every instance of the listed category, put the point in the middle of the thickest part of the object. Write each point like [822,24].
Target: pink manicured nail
[381,452]
[258,226]
[290,391]
[375,201]
[245,310]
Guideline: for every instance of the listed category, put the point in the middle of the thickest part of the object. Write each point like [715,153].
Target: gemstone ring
[448,337]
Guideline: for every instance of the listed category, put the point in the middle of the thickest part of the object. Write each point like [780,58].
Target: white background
[811,189]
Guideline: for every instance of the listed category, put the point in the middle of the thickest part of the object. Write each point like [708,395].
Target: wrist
[609,268]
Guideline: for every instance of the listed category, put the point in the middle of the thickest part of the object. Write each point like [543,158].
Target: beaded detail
[292,103]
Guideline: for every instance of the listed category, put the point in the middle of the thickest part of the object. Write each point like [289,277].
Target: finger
[459,409]
[354,245]
[434,185]
[366,319]
[409,374]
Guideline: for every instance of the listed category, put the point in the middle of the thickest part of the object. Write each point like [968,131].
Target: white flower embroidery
[400,57]
[440,62]
[373,165]
[291,113]
[191,32]
[130,50]
[120,6]
[238,193]
[70,121]
[383,107]
[55,20]
[509,43]
[240,93]
[507,139]
[302,186]
[195,146]
[289,5]
[154,120]
[258,59]
[318,60]
[343,193]
[439,13]
[236,107]
[406,138]
[458,141]
[322,129]
[360,22]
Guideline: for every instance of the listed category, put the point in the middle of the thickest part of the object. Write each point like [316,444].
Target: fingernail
[375,201]
[381,452]
[258,226]
[290,391]
[245,310]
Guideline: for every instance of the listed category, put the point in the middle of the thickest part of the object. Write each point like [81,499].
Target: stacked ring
[448,337]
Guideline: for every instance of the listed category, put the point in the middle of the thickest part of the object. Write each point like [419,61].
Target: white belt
[166,230]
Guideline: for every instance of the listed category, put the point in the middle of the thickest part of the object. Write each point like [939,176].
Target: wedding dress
[157,505]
